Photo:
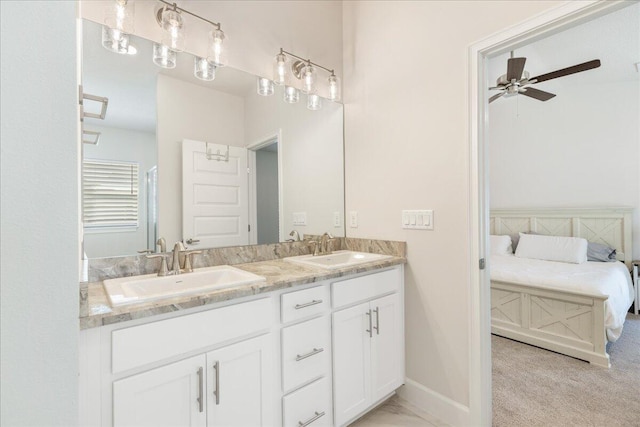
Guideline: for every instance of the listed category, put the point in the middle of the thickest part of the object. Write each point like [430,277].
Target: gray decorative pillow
[600,252]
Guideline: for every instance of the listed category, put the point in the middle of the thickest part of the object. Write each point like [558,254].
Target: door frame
[552,21]
[251,162]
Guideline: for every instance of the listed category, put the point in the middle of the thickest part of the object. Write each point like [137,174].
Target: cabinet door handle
[201,389]
[311,353]
[310,420]
[308,304]
[370,330]
[216,392]
[377,327]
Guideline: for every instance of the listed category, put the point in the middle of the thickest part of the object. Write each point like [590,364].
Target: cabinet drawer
[309,406]
[364,288]
[306,352]
[301,304]
[152,342]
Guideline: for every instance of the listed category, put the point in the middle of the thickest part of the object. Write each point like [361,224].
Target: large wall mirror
[207,162]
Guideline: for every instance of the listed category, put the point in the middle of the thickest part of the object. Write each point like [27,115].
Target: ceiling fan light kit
[518,81]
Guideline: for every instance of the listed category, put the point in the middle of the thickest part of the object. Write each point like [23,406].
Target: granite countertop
[96,311]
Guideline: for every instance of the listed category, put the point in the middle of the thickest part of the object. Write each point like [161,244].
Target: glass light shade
[334,88]
[217,53]
[203,69]
[265,86]
[314,102]
[173,25]
[115,40]
[163,56]
[291,95]
[280,72]
[309,79]
[120,15]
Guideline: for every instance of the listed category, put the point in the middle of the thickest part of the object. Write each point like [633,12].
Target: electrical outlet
[299,218]
[336,219]
[353,219]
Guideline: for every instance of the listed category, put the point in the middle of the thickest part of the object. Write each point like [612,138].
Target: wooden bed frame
[570,323]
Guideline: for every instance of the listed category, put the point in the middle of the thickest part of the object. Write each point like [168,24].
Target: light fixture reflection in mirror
[203,69]
[291,95]
[218,55]
[163,56]
[115,40]
[173,25]
[280,72]
[314,102]
[265,86]
[309,74]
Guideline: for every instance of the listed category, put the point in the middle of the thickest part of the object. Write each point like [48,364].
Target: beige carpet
[535,387]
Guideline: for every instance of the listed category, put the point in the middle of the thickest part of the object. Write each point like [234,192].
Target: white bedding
[597,278]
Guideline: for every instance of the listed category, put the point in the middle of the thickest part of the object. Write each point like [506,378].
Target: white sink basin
[150,287]
[338,259]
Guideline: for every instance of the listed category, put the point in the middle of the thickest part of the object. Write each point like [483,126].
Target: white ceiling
[129,81]
[613,38]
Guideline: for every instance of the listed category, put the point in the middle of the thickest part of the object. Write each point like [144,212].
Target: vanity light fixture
[304,70]
[118,24]
[170,18]
[163,56]
[265,86]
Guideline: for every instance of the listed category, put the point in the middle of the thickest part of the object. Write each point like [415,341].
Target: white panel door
[166,396]
[351,362]
[240,384]
[386,346]
[215,200]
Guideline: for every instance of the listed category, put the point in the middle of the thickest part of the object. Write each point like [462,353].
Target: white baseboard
[435,404]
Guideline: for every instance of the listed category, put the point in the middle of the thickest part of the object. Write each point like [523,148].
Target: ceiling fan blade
[515,67]
[494,97]
[536,94]
[566,71]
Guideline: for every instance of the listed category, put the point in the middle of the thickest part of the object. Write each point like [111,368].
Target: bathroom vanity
[307,346]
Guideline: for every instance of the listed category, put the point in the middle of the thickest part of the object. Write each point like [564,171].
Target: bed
[573,309]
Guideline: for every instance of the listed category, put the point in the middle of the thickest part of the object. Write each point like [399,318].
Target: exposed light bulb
[280,73]
[309,79]
[163,56]
[265,86]
[314,102]
[291,95]
[217,52]
[203,69]
[334,88]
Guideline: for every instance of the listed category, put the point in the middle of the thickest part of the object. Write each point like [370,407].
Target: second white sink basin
[150,287]
[337,259]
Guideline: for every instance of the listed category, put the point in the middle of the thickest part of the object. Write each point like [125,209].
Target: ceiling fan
[517,79]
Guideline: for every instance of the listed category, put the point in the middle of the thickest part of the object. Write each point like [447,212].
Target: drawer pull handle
[310,420]
[216,392]
[377,327]
[311,353]
[308,304]
[200,389]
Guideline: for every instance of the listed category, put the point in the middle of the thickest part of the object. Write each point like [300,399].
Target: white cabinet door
[351,355]
[386,346]
[166,396]
[239,384]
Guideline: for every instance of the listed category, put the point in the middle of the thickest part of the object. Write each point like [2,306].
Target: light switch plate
[299,218]
[417,219]
[353,219]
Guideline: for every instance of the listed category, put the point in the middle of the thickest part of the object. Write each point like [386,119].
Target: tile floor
[397,412]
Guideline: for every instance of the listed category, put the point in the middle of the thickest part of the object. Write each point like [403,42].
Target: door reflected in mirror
[207,162]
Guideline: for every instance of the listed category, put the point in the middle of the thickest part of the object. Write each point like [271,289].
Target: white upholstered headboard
[611,226]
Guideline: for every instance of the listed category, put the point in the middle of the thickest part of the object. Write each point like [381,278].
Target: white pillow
[552,248]
[500,245]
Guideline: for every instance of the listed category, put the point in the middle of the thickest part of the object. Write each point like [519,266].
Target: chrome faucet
[295,235]
[178,249]
[325,243]
[163,244]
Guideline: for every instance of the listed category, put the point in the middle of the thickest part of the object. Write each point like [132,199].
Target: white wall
[128,146]
[312,157]
[407,147]
[39,215]
[581,148]
[189,111]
